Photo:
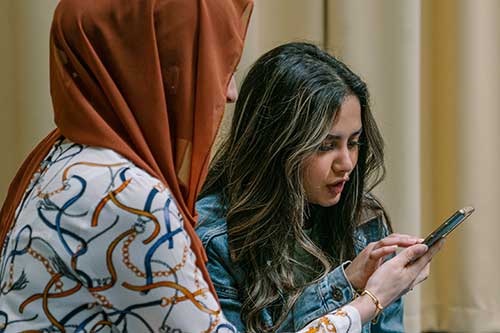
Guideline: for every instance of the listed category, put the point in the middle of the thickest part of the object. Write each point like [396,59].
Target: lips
[336,187]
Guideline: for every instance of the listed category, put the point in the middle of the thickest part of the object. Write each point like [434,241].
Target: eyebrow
[338,137]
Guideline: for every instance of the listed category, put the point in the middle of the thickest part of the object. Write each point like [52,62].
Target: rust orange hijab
[147,79]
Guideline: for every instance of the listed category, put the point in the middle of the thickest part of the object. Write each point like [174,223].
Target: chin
[329,202]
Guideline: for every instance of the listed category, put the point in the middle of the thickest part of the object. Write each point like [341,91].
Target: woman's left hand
[367,261]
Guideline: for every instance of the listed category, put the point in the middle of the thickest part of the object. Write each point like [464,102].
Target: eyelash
[351,145]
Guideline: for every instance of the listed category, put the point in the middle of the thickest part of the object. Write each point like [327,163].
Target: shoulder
[373,223]
[95,164]
[131,191]
[103,162]
[96,180]
[212,230]
[371,208]
[212,224]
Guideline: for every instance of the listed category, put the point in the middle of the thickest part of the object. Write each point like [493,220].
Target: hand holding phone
[448,226]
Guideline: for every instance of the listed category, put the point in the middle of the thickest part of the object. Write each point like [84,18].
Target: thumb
[413,253]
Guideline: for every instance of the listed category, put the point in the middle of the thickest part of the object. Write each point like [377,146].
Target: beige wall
[460,94]
[26,114]
[7,102]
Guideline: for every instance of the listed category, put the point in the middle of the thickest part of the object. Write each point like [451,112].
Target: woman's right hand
[396,277]
[402,273]
[369,260]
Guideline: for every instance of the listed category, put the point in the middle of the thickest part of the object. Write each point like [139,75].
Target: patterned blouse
[99,246]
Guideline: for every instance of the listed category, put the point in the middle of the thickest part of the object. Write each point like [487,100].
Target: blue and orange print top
[98,245]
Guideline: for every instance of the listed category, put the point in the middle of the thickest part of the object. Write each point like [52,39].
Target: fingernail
[424,248]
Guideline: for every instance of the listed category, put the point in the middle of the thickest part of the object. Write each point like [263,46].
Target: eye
[354,145]
[328,145]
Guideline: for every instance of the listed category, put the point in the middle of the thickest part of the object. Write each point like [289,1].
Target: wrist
[378,307]
[384,297]
[350,275]
[366,308]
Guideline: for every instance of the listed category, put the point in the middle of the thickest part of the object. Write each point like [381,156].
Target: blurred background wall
[433,69]
[25,106]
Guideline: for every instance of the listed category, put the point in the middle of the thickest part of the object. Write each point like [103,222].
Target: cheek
[316,171]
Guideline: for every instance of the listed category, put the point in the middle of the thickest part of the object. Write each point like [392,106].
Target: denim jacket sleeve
[319,299]
[225,285]
[335,290]
[226,277]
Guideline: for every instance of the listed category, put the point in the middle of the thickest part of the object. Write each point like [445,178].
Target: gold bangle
[376,302]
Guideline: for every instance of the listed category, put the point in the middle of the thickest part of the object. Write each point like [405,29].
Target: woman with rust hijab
[97,229]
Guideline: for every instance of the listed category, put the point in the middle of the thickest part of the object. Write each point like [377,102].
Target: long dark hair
[286,108]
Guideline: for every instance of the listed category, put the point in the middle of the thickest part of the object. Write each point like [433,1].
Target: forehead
[348,118]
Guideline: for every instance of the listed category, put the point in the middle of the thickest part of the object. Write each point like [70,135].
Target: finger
[418,264]
[401,236]
[434,249]
[402,241]
[412,254]
[422,276]
[382,252]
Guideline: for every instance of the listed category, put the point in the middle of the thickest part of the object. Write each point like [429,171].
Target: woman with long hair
[287,217]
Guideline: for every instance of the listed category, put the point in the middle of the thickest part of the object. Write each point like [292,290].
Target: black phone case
[451,223]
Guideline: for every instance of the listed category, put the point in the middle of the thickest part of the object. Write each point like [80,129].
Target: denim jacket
[318,299]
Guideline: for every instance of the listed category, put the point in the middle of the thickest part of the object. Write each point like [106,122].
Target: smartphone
[449,225]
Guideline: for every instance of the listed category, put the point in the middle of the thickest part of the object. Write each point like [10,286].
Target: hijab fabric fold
[147,79]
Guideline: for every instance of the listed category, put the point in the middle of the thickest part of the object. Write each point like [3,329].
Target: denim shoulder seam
[210,233]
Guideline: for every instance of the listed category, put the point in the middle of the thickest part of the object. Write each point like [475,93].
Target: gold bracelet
[376,302]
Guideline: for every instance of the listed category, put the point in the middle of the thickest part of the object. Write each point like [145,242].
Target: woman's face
[326,171]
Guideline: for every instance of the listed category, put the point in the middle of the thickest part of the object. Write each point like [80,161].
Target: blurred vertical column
[478,180]
[380,40]
[26,110]
[463,118]
[479,169]
[7,100]
[440,38]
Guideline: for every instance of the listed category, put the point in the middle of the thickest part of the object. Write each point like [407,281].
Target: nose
[232,91]
[343,161]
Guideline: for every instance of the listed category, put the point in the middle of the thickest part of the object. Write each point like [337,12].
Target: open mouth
[336,188]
